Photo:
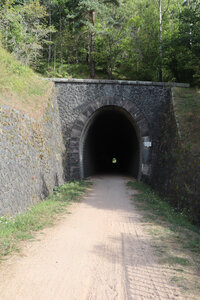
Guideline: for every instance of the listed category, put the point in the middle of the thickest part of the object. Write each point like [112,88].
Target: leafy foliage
[119,39]
[182,48]
[22,32]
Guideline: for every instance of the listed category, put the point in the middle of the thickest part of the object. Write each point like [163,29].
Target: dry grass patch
[23,226]
[187,107]
[175,240]
[21,88]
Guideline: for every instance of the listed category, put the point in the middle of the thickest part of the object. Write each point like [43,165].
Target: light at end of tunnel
[114,160]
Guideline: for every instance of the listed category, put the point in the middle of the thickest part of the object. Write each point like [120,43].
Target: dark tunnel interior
[111,144]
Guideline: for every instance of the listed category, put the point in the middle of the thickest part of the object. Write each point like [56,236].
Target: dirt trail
[99,252]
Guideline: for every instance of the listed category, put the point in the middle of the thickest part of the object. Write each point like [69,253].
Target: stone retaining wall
[36,156]
[30,157]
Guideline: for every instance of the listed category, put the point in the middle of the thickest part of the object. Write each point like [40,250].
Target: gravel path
[99,252]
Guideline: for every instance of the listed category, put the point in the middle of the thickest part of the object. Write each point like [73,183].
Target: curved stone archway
[110,143]
[75,162]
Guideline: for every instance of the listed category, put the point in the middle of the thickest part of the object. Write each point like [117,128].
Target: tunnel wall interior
[110,144]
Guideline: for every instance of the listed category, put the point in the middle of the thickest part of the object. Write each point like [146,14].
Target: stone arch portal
[110,143]
[110,136]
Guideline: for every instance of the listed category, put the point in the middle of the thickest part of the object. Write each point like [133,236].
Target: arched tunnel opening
[110,144]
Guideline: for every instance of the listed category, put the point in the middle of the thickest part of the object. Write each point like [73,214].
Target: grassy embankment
[22,227]
[186,178]
[179,158]
[21,88]
[175,240]
[187,107]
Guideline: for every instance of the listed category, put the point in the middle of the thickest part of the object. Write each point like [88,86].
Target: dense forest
[157,40]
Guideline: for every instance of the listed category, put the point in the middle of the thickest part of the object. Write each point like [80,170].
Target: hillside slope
[187,108]
[183,179]
[31,145]
[21,88]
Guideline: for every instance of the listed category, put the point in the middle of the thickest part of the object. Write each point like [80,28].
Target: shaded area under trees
[139,40]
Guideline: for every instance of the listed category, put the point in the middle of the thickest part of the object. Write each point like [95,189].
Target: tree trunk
[6,36]
[88,54]
[110,68]
[92,65]
[160,39]
[50,37]
[61,41]
[54,61]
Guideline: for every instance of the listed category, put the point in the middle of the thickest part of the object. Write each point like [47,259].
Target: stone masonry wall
[31,156]
[151,101]
[37,156]
[177,169]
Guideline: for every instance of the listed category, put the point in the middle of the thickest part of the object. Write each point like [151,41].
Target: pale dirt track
[99,252]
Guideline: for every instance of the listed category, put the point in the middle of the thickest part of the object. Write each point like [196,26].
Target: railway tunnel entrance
[110,143]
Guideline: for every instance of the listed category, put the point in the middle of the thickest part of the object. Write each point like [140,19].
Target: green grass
[175,260]
[176,242]
[18,78]
[193,245]
[20,87]
[68,71]
[157,210]
[187,107]
[159,207]
[81,71]
[43,214]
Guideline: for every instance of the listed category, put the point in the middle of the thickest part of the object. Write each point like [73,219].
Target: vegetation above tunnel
[132,39]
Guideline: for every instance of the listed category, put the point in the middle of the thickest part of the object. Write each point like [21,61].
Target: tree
[182,49]
[82,12]
[23,32]
[132,39]
[112,34]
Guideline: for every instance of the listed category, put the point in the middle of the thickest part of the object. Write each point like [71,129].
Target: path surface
[99,252]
